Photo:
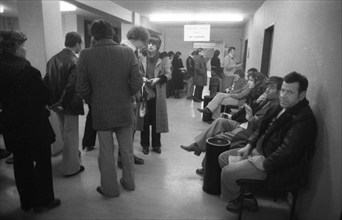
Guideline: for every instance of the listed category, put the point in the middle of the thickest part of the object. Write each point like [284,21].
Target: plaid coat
[107,77]
[163,67]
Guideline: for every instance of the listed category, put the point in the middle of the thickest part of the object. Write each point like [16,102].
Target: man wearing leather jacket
[61,79]
[277,150]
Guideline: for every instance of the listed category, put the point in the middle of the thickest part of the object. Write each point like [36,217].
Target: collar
[69,49]
[104,42]
[128,44]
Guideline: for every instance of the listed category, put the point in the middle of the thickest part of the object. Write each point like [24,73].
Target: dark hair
[297,77]
[240,72]
[162,55]
[144,51]
[199,50]
[276,80]
[230,49]
[216,53]
[10,41]
[116,38]
[155,39]
[101,29]
[259,88]
[177,54]
[252,70]
[72,38]
[138,33]
[170,53]
[195,52]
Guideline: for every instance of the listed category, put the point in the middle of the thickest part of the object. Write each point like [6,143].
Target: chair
[261,184]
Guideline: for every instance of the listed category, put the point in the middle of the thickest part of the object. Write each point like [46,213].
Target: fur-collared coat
[163,67]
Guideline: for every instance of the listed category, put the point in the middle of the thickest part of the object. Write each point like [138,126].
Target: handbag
[142,109]
[148,92]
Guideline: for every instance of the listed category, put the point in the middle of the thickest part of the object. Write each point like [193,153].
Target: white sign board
[197,32]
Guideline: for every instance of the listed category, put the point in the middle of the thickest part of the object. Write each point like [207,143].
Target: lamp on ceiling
[65,6]
[212,17]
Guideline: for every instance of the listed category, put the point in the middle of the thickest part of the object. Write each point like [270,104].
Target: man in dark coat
[200,75]
[107,77]
[26,127]
[61,79]
[278,149]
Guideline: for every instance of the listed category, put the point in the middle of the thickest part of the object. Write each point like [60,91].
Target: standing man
[61,80]
[137,38]
[190,67]
[107,77]
[200,75]
[229,67]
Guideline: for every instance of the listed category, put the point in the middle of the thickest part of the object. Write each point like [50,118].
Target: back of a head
[240,73]
[10,41]
[194,53]
[177,54]
[101,29]
[216,53]
[71,38]
[162,55]
[138,33]
[170,53]
[297,77]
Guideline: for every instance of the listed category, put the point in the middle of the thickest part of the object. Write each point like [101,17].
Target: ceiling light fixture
[2,9]
[65,6]
[195,17]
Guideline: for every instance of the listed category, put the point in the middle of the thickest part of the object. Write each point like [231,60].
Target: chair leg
[293,205]
[243,190]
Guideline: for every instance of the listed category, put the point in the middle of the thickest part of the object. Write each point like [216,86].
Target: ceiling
[145,8]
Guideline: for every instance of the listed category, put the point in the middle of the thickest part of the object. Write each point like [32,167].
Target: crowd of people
[270,132]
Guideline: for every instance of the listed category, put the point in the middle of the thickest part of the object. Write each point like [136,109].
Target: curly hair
[10,41]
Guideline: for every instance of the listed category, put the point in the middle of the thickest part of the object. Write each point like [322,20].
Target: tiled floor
[167,186]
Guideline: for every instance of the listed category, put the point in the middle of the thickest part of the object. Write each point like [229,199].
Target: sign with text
[199,32]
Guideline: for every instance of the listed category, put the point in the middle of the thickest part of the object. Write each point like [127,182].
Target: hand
[227,90]
[262,98]
[244,151]
[154,81]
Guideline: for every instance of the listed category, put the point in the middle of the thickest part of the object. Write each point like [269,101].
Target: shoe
[190,97]
[192,148]
[51,205]
[197,100]
[204,110]
[157,150]
[9,160]
[4,153]
[88,148]
[138,160]
[125,187]
[145,150]
[250,203]
[79,171]
[200,172]
[99,190]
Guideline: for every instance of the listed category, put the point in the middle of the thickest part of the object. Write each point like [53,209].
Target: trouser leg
[89,136]
[106,162]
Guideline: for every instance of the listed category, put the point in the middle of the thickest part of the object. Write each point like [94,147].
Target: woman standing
[177,74]
[156,73]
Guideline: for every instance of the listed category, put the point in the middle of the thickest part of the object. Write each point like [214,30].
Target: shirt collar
[128,44]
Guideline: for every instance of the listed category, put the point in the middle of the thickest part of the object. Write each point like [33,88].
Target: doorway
[266,51]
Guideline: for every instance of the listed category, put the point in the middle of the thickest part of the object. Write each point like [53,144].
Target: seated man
[255,87]
[278,147]
[245,120]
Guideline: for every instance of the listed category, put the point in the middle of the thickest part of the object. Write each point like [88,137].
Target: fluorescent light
[195,17]
[2,9]
[65,6]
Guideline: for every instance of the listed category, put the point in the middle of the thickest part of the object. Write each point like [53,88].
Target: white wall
[307,39]
[174,40]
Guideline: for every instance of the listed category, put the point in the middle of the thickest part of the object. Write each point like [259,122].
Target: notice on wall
[200,32]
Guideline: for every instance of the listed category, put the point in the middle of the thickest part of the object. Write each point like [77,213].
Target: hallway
[167,185]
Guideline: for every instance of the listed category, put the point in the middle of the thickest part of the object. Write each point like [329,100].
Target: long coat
[163,67]
[200,71]
[107,77]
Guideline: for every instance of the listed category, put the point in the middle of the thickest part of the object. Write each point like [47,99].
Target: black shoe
[9,160]
[89,148]
[4,153]
[204,110]
[79,171]
[125,187]
[197,100]
[157,150]
[99,190]
[51,205]
[145,150]
[250,203]
[200,172]
[138,160]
